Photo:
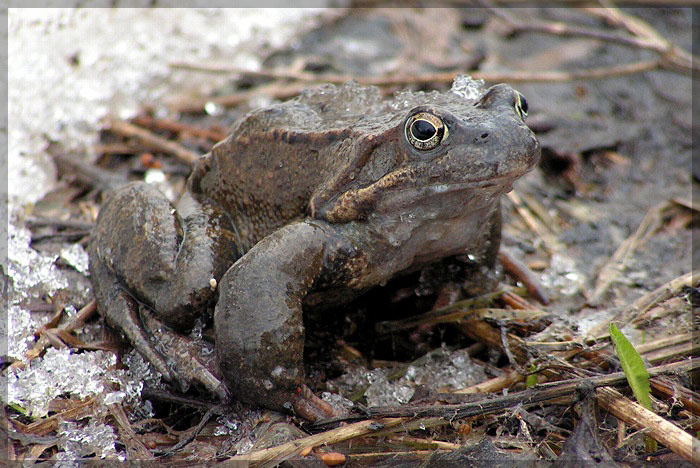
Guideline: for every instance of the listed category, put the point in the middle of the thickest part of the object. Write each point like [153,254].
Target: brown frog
[307,204]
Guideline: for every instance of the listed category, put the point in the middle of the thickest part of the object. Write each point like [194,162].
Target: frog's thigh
[164,259]
[258,318]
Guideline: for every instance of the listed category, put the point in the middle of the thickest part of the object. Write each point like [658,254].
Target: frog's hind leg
[142,250]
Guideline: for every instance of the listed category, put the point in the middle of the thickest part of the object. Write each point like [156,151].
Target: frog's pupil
[423,130]
[523,104]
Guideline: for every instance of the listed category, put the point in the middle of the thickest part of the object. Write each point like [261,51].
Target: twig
[667,433]
[194,432]
[151,140]
[275,455]
[518,269]
[56,223]
[47,425]
[87,174]
[424,78]
[540,393]
[496,384]
[670,389]
[179,127]
[149,393]
[671,56]
[275,90]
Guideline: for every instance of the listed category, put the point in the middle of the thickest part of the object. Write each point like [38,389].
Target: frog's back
[264,173]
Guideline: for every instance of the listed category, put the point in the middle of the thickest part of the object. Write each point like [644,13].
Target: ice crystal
[79,442]
[467,87]
[76,256]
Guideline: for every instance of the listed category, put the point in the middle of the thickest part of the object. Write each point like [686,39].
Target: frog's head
[447,153]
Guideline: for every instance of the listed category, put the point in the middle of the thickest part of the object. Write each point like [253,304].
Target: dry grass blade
[134,447]
[44,340]
[543,232]
[619,260]
[45,426]
[645,302]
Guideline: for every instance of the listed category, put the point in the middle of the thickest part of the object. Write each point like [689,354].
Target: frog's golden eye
[521,105]
[425,131]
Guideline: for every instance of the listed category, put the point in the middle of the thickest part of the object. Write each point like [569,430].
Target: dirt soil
[605,219]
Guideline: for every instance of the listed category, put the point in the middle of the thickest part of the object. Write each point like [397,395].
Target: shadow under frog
[306,204]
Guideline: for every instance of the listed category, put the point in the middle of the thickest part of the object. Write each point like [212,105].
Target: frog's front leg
[259,324]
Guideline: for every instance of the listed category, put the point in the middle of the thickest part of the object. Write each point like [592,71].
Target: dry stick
[179,127]
[614,267]
[668,388]
[670,53]
[538,394]
[275,455]
[645,37]
[655,426]
[153,141]
[423,78]
[275,90]
[494,385]
[518,269]
[644,303]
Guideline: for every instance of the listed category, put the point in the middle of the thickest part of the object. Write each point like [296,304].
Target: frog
[307,204]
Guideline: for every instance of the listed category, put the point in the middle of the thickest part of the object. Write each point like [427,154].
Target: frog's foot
[310,407]
[121,311]
[183,353]
[176,361]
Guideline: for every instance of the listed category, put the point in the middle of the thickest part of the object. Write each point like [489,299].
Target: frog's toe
[310,407]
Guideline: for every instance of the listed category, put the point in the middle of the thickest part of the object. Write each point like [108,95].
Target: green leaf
[632,366]
[531,379]
[18,408]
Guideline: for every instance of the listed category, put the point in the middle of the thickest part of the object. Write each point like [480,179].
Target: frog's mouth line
[486,182]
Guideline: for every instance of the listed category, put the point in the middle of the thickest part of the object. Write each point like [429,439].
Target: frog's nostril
[481,138]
